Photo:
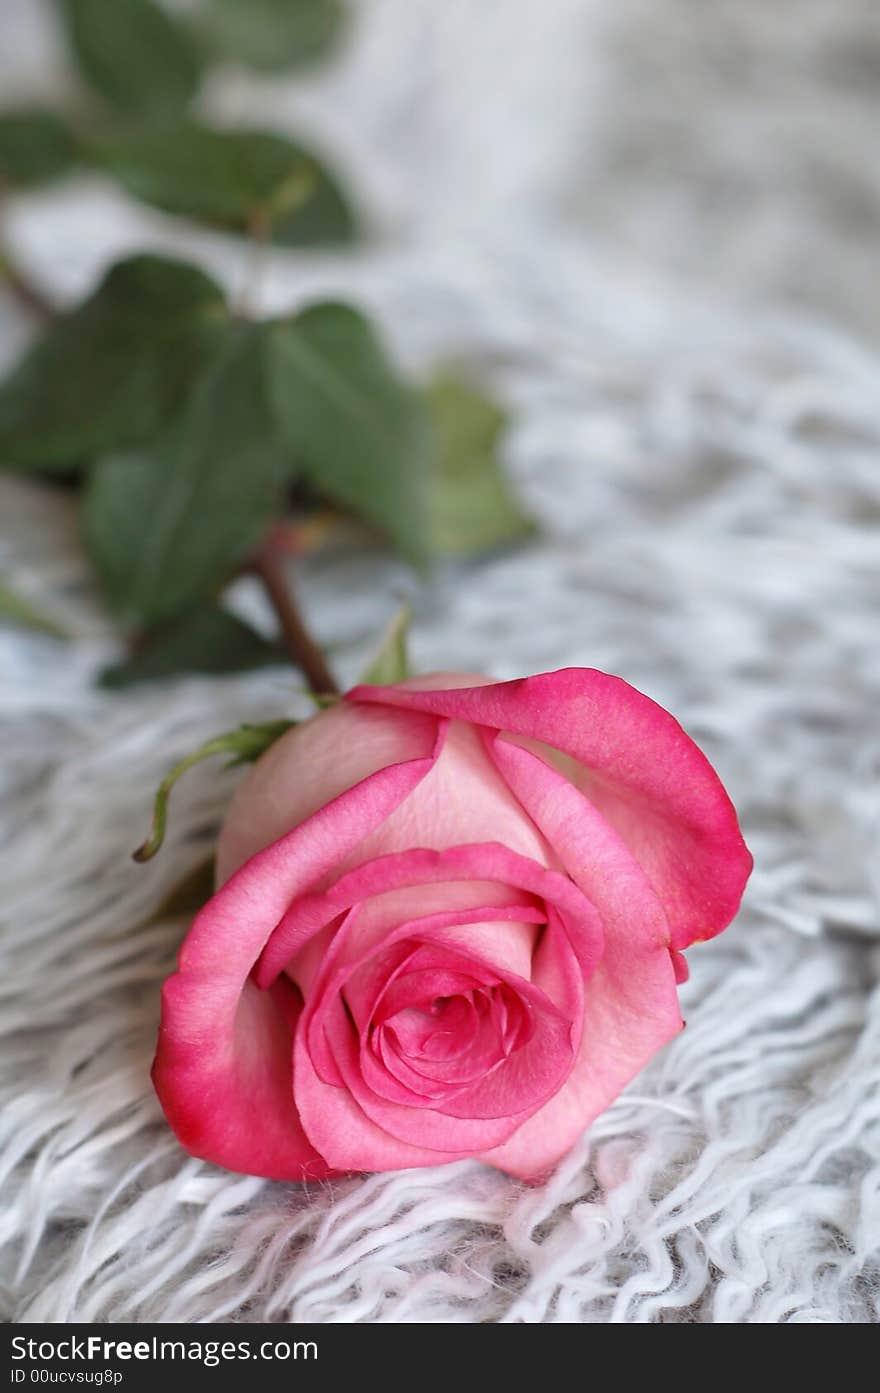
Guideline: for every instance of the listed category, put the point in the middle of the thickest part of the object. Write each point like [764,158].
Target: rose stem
[297,639]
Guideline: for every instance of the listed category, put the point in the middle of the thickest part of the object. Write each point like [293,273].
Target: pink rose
[450,924]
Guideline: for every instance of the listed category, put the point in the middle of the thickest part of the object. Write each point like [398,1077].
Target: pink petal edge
[223,1060]
[645,775]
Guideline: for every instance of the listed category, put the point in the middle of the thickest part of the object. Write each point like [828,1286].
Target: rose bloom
[449,924]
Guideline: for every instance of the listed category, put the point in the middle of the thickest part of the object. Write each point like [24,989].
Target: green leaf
[166,524]
[15,610]
[204,640]
[239,180]
[472,507]
[275,35]
[109,374]
[361,435]
[133,54]
[245,744]
[35,146]
[390,663]
[326,218]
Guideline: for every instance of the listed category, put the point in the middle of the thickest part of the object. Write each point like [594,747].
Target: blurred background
[729,144]
[650,227]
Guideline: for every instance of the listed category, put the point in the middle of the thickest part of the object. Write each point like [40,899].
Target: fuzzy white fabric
[706,470]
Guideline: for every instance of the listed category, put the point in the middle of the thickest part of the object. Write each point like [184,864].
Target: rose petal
[204,1108]
[311,765]
[522,1083]
[638,766]
[594,854]
[339,1129]
[679,966]
[616,1044]
[509,873]
[421,1126]
[378,914]
[462,800]
[630,1004]
[229,1100]
[340,968]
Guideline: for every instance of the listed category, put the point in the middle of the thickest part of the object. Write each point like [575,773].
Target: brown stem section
[302,648]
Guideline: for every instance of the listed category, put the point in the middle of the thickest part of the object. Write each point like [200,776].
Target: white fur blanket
[707,471]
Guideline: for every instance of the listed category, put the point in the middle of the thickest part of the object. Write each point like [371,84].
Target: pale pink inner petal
[365,979]
[462,800]
[647,777]
[309,767]
[438,1028]
[423,1046]
[595,855]
[507,876]
[421,1125]
[377,916]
